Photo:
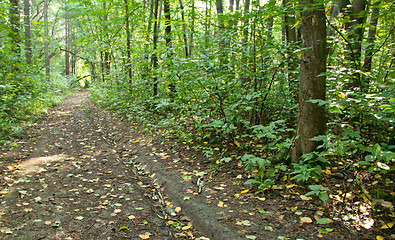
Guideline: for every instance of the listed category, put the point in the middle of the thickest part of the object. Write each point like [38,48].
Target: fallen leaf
[252,237]
[268,228]
[28,210]
[79,217]
[290,186]
[145,235]
[220,204]
[131,217]
[379,238]
[177,209]
[386,204]
[387,225]
[304,198]
[123,228]
[186,227]
[306,220]
[245,191]
[117,210]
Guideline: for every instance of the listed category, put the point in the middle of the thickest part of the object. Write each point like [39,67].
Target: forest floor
[81,173]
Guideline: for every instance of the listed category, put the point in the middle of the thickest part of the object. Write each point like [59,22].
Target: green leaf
[123,228]
[322,221]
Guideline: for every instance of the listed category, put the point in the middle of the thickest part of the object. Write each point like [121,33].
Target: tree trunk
[184,29]
[14,21]
[355,29]
[367,66]
[46,39]
[67,43]
[311,116]
[192,28]
[28,33]
[128,67]
[154,57]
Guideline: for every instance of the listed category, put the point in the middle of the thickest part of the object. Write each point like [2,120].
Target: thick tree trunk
[355,29]
[28,33]
[46,39]
[311,116]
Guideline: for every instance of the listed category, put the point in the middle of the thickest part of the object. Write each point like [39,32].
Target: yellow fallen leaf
[379,238]
[118,204]
[131,217]
[117,210]
[186,227]
[177,209]
[290,186]
[306,220]
[245,191]
[86,146]
[220,204]
[145,235]
[47,222]
[136,141]
[387,226]
[303,197]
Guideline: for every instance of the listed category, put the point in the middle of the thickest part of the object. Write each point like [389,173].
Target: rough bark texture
[311,116]
[28,34]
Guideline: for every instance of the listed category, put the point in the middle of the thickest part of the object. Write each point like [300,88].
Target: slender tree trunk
[367,66]
[46,39]
[184,29]
[28,33]
[128,67]
[67,43]
[192,28]
[221,26]
[154,57]
[312,80]
[14,21]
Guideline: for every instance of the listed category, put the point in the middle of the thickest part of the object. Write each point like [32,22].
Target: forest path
[81,173]
[77,178]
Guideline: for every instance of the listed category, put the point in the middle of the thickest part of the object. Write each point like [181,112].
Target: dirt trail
[75,179]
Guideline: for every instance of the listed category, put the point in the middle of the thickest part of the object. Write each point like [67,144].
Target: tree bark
[355,29]
[28,33]
[184,29]
[127,29]
[311,116]
[367,66]
[192,28]
[46,39]
[67,44]
[154,56]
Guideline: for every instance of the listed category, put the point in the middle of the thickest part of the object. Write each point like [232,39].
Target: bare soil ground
[81,173]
